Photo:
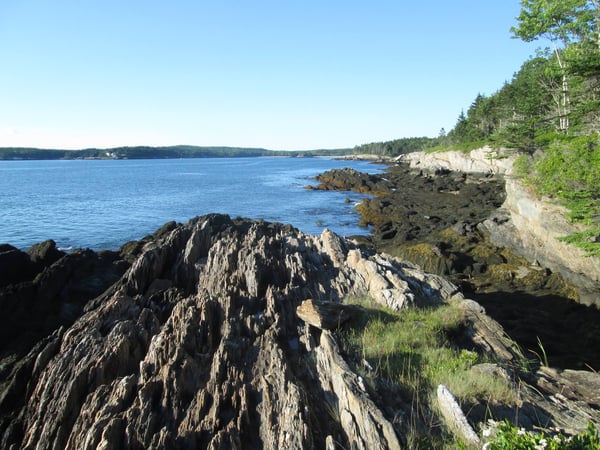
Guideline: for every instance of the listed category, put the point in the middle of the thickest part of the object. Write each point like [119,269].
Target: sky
[282,75]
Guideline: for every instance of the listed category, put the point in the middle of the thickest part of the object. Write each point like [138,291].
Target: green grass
[586,240]
[505,436]
[413,348]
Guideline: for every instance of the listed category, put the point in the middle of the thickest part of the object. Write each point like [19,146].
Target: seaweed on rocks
[434,219]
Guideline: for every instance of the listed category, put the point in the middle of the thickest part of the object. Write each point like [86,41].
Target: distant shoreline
[146,152]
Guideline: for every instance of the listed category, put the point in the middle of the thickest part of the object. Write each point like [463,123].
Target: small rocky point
[217,334]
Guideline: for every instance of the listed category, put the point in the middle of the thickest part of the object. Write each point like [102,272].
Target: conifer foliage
[557,91]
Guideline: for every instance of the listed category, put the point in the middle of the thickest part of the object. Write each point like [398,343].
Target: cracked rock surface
[199,345]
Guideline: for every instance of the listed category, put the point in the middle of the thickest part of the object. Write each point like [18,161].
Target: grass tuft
[413,348]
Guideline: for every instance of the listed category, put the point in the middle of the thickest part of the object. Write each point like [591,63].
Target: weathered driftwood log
[455,417]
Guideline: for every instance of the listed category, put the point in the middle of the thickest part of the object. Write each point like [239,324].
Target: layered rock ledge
[528,225]
[199,345]
[475,228]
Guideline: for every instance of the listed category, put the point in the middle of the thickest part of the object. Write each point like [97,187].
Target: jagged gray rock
[198,345]
[359,417]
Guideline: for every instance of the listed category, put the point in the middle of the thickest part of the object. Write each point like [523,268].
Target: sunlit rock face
[219,335]
[198,345]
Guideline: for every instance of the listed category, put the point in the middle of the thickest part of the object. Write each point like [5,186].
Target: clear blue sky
[274,74]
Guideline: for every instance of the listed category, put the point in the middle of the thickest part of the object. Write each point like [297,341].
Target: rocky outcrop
[409,205]
[198,345]
[357,412]
[17,266]
[528,225]
[532,227]
[458,225]
[351,180]
[564,398]
[50,291]
[482,160]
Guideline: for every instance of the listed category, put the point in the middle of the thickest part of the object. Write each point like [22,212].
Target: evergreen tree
[562,22]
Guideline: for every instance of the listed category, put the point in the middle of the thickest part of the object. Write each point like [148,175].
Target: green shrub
[569,171]
[505,436]
[523,166]
[464,147]
[586,240]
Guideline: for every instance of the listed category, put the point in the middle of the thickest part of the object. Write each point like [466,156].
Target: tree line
[147,152]
[557,92]
[549,112]
[397,146]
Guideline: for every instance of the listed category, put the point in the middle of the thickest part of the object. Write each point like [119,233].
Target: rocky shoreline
[530,226]
[454,223]
[198,345]
[222,333]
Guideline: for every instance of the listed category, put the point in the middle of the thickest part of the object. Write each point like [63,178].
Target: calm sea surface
[103,204]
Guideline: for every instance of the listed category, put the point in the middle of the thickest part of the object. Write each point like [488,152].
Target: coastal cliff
[528,225]
[481,160]
[436,217]
[209,340]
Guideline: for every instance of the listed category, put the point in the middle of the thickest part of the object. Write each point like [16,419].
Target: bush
[569,170]
[523,166]
[505,436]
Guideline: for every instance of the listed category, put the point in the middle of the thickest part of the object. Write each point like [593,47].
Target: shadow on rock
[551,329]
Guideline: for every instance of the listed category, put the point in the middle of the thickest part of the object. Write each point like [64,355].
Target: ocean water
[101,204]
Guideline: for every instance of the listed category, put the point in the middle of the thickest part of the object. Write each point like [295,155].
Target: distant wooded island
[389,148]
[148,152]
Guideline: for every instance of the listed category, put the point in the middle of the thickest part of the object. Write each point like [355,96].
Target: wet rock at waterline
[441,220]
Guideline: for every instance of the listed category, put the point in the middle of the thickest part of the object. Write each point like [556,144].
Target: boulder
[351,180]
[326,315]
[44,254]
[15,265]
